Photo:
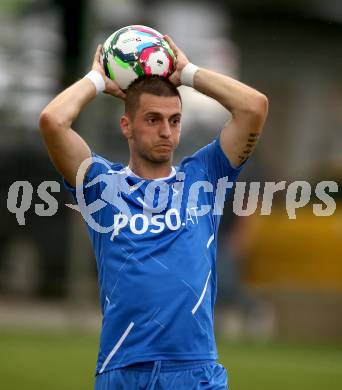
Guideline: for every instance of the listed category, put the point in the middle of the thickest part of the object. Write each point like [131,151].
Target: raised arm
[67,150]
[248,108]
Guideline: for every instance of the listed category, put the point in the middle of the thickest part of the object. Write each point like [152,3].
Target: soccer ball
[135,51]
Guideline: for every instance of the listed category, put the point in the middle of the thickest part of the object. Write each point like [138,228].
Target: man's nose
[165,129]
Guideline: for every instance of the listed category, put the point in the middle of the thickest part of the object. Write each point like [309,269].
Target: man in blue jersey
[154,226]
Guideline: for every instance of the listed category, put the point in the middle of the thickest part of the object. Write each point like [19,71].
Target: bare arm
[67,150]
[247,106]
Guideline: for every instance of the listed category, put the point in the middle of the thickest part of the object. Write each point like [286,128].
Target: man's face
[154,131]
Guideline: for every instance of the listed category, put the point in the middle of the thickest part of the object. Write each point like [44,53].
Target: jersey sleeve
[99,166]
[215,163]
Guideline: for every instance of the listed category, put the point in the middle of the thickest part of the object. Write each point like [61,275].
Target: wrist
[188,74]
[97,79]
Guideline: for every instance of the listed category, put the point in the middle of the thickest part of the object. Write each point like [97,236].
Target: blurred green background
[34,359]
[278,314]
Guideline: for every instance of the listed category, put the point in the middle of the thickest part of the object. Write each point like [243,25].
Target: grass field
[33,360]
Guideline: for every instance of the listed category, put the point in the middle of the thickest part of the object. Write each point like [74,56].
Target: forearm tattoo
[252,140]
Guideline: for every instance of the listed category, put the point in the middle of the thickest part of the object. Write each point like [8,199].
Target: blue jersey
[155,247]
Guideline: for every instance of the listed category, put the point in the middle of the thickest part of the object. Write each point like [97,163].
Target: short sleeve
[215,163]
[99,166]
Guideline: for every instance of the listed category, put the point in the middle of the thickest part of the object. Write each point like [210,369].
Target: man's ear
[125,124]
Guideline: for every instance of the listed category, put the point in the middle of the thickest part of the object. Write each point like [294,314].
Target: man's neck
[149,170]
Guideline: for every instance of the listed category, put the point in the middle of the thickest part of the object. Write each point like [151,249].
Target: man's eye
[175,121]
[151,121]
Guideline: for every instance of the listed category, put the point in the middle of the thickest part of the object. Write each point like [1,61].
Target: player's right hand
[111,87]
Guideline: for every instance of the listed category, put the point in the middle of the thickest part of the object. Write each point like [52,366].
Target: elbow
[49,122]
[258,107]
[263,102]
[253,110]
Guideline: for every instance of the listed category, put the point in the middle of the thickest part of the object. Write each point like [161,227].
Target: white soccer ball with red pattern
[135,51]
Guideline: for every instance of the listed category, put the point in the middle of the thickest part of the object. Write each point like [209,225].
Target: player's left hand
[181,61]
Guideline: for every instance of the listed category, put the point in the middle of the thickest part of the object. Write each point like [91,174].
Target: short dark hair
[154,85]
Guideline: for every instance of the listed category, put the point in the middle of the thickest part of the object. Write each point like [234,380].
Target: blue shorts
[165,375]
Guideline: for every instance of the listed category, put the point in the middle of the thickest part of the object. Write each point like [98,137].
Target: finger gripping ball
[135,51]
